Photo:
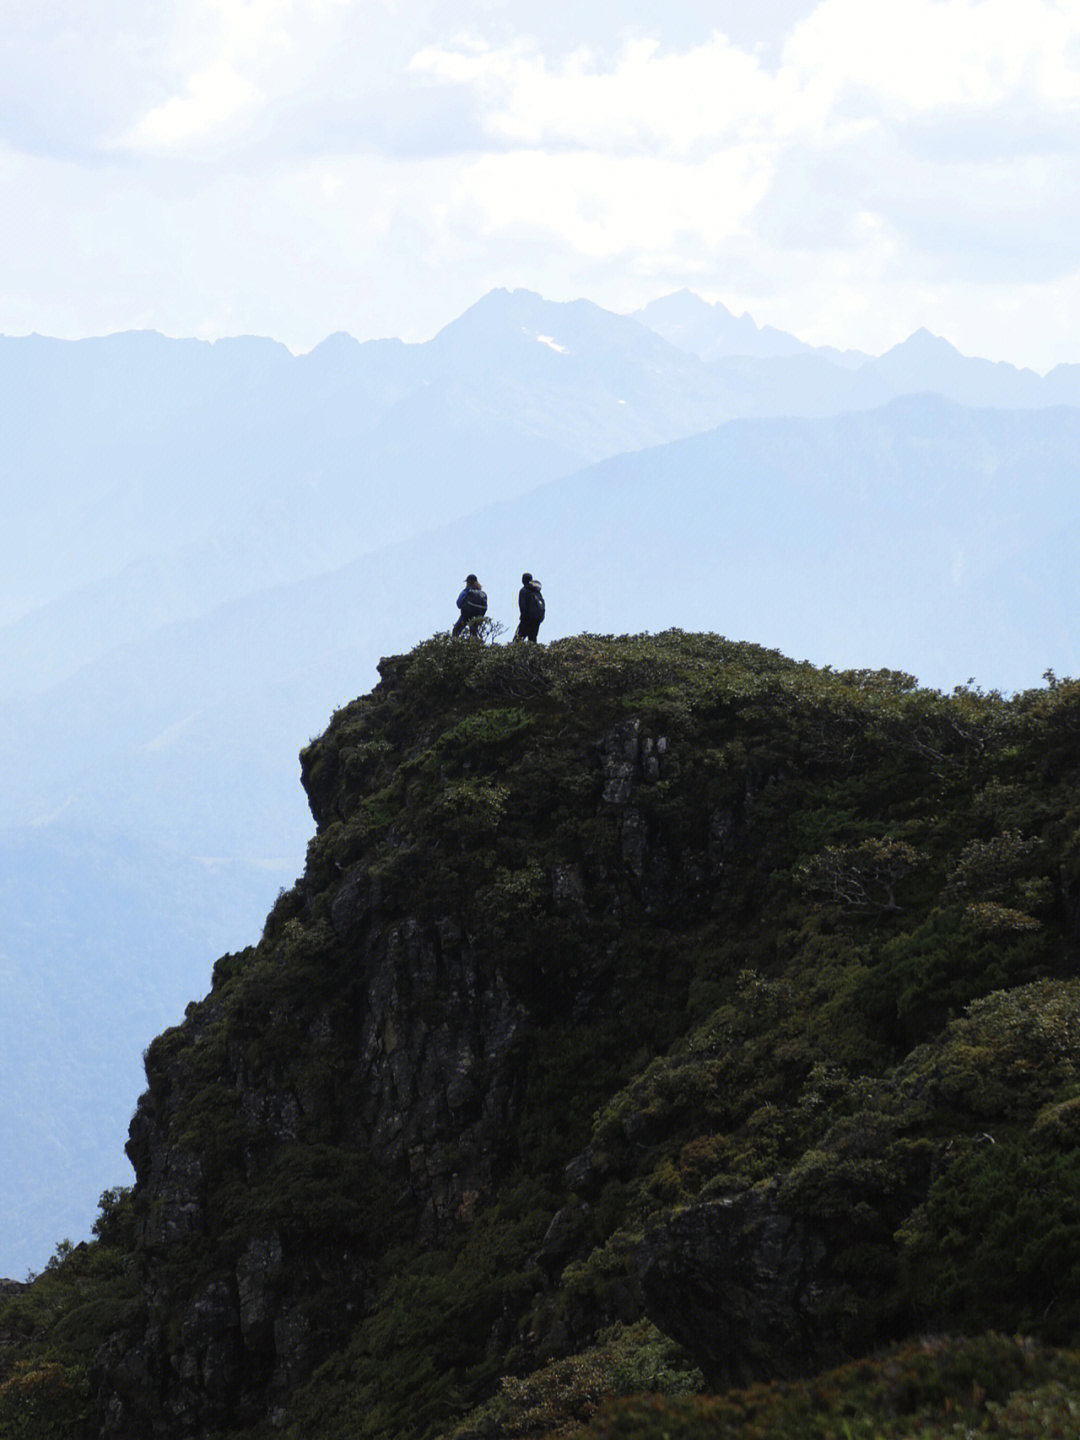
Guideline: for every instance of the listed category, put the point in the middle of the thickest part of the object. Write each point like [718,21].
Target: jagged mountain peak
[685,304]
[923,342]
[711,330]
[512,315]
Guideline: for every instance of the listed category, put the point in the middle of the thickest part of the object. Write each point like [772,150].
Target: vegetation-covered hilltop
[655,1017]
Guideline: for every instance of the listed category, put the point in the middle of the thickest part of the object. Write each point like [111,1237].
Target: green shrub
[997,1241]
[43,1400]
[937,1389]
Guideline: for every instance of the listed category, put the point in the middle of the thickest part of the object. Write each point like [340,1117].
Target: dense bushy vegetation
[930,1390]
[801,939]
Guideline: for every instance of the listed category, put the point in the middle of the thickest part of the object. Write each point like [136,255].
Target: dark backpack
[534,602]
[475,603]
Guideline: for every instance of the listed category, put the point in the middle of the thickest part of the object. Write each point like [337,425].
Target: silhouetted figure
[531,608]
[472,602]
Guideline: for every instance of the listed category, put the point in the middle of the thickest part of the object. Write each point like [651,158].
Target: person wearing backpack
[472,602]
[531,607]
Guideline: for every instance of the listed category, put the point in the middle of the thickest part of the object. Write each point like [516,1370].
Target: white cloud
[876,160]
[843,70]
[210,98]
[607,205]
[647,100]
[224,64]
[211,54]
[937,54]
[877,168]
[248,28]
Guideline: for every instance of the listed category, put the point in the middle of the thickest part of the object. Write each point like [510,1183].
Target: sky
[845,170]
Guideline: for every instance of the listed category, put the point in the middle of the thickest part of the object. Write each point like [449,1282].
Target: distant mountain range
[182,474]
[211,546]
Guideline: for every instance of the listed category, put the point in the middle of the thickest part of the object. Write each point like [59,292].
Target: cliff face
[368,1076]
[618,1023]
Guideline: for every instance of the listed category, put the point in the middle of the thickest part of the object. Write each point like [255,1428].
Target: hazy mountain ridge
[127,440]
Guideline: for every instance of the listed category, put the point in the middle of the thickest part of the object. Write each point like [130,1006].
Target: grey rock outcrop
[431,1044]
[742,1286]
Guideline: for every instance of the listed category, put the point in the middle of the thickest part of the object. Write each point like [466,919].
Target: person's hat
[526,578]
[471,580]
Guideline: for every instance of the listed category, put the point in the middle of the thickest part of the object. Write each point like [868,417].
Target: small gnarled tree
[862,877]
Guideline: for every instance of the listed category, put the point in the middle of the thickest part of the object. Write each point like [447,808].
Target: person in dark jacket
[472,602]
[531,608]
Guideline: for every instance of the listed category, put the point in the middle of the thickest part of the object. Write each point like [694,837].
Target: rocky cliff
[653,1014]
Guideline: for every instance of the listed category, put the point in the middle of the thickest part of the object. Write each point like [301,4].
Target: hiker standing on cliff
[531,607]
[472,602]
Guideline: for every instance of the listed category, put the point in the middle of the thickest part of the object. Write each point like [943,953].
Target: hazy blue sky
[848,170]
